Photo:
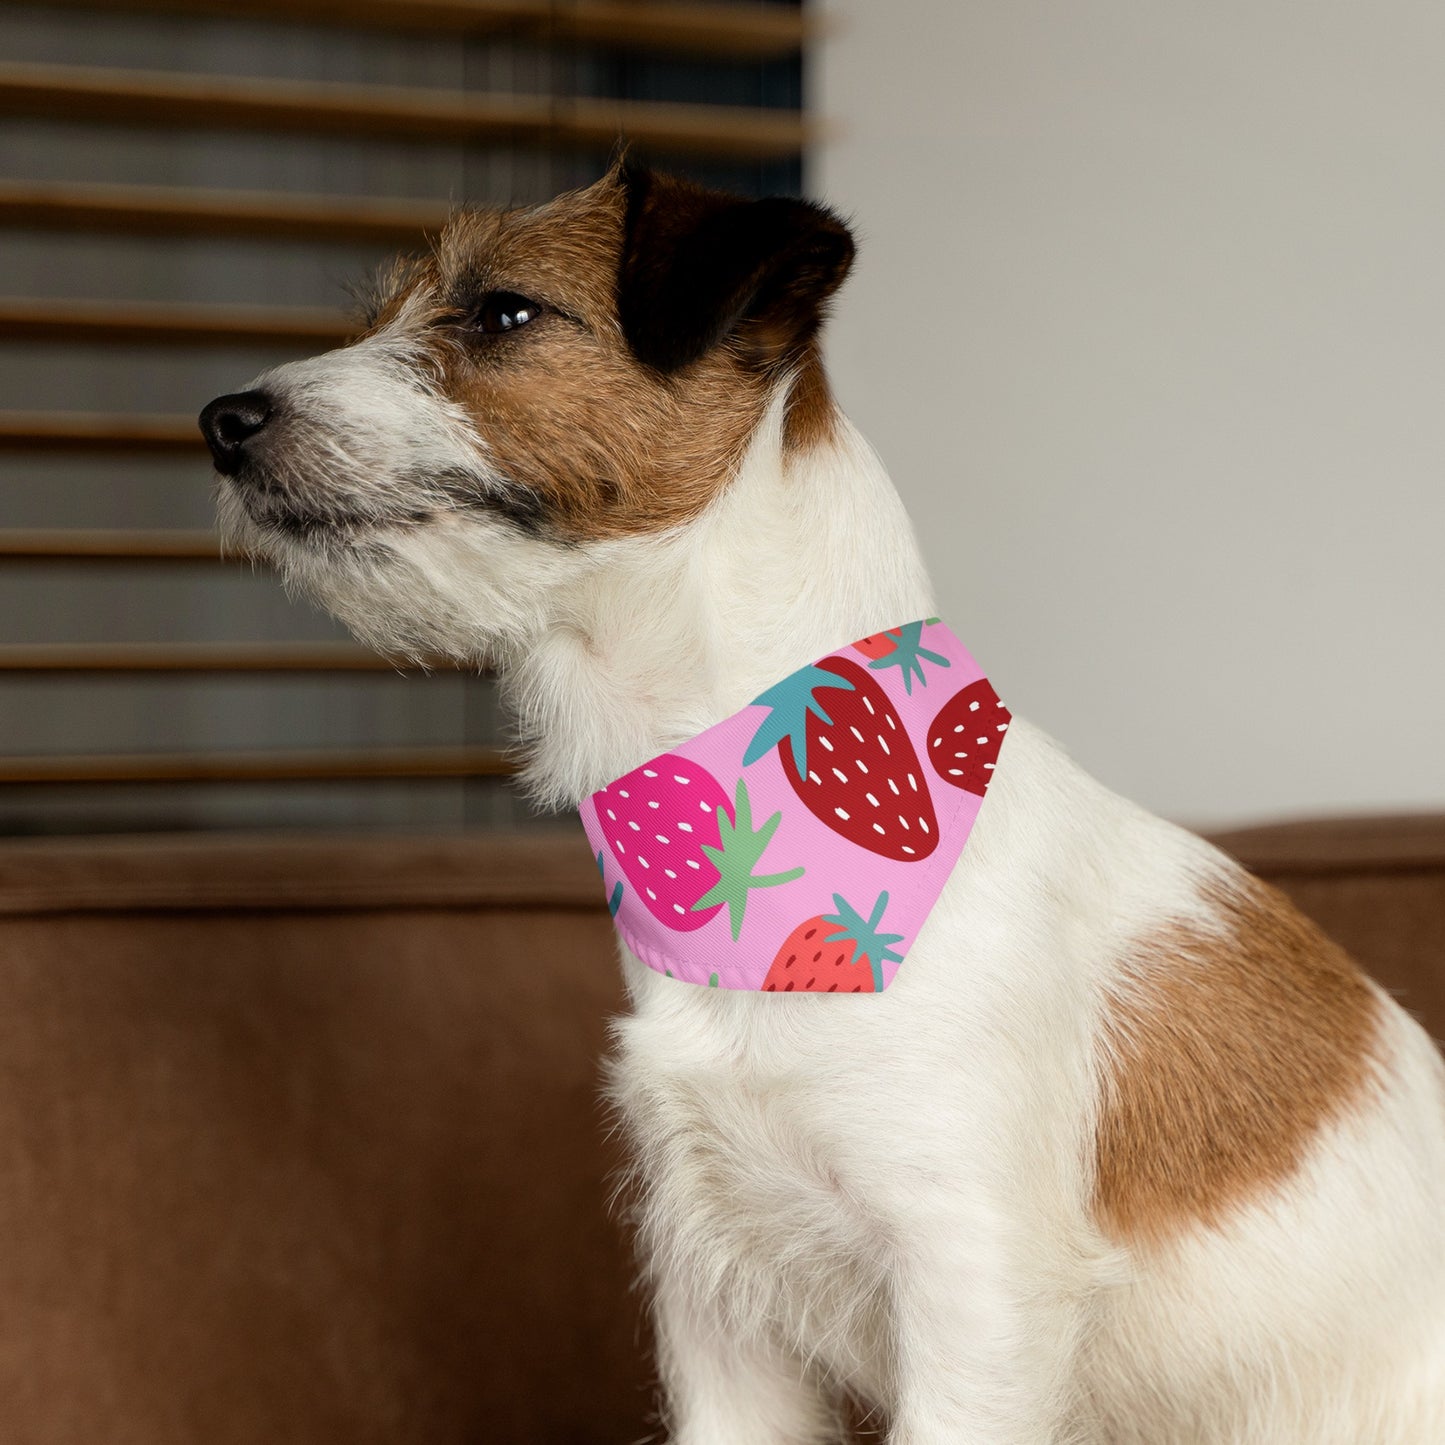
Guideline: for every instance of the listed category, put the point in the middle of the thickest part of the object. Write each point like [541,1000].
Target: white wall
[1149,324]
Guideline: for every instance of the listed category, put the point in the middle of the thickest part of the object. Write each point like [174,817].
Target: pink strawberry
[834,953]
[965,738]
[685,849]
[847,756]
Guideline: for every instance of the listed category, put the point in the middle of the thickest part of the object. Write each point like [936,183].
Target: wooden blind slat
[715,29]
[258,767]
[80,431]
[74,544]
[190,657]
[158,323]
[156,98]
[168,210]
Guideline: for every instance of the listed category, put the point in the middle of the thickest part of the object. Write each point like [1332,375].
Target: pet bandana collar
[799,845]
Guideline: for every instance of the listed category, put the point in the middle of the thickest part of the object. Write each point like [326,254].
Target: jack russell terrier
[1115,1148]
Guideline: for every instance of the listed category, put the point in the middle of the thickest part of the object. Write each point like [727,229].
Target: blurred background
[187,191]
[1149,323]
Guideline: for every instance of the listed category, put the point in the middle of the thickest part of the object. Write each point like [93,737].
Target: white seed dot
[913,782]
[643,861]
[653,803]
[883,743]
[868,703]
[826,743]
[678,908]
[904,821]
[669,872]
[989,766]
[955,772]
[686,827]
[860,765]
[648,773]
[617,844]
[910,852]
[693,863]
[652,895]
[878,827]
[856,733]
[840,812]
[889,720]
[936,742]
[635,828]
[623,793]
[1002,727]
[678,778]
[871,799]
[814,778]
[923,823]
[959,728]
[612,815]
[894,786]
[705,807]
[842,777]
[665,843]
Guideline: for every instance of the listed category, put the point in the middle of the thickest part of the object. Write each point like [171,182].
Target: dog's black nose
[229,422]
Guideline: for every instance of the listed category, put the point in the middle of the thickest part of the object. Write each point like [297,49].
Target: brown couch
[300,1140]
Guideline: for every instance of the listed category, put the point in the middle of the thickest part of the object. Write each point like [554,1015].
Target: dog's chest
[749,1181]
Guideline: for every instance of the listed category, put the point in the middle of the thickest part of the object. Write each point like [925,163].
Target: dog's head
[546,384]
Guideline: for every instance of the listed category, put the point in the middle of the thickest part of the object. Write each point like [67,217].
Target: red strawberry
[685,849]
[847,756]
[965,738]
[834,953]
[880,644]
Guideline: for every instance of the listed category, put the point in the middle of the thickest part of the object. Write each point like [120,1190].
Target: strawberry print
[846,754]
[902,647]
[835,953]
[686,850]
[838,770]
[965,738]
[880,644]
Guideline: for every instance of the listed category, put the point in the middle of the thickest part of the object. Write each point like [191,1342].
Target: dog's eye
[504,311]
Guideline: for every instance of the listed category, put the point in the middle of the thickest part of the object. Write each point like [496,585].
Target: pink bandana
[799,845]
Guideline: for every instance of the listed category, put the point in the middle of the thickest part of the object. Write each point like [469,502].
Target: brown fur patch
[812,415]
[1225,1055]
[605,445]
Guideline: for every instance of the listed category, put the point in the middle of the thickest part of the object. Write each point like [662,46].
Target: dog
[1129,1153]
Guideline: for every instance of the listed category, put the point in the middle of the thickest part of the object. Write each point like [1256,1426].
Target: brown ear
[699,266]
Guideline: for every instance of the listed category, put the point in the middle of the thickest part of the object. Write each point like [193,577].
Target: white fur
[891,1196]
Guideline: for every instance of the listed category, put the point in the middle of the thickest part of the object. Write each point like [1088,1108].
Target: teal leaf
[789,702]
[865,935]
[909,656]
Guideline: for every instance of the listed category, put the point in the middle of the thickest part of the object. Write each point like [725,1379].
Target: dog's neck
[803,552]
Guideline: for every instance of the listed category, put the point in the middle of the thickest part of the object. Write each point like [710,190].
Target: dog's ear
[698,266]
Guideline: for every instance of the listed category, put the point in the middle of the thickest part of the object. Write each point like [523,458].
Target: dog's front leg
[723,1385]
[985,1347]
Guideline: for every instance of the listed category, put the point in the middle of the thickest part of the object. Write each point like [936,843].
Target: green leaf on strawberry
[742,849]
[908,655]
